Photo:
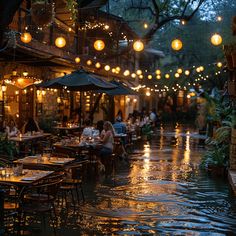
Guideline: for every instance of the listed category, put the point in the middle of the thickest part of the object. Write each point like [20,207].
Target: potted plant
[7,147]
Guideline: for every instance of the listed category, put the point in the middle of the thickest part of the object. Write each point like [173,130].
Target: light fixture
[98,65]
[118,68]
[107,67]
[183,22]
[219,18]
[99,45]
[216,39]
[149,76]
[167,76]
[138,46]
[140,76]
[180,71]
[201,68]
[176,44]
[126,73]
[219,64]
[158,76]
[26,37]
[148,93]
[4,87]
[133,75]
[89,62]
[138,72]
[113,70]
[177,75]
[145,25]
[60,42]
[106,27]
[187,72]
[77,60]
[25,73]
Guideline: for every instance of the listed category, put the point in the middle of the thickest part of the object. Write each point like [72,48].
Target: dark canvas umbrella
[79,80]
[121,89]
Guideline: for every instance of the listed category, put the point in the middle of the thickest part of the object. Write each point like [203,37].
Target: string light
[216,39]
[89,62]
[138,46]
[107,67]
[60,42]
[98,65]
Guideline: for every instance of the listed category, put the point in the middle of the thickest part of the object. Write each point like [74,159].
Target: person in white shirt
[11,129]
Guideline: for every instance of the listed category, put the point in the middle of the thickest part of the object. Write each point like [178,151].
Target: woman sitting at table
[107,140]
[30,126]
[11,129]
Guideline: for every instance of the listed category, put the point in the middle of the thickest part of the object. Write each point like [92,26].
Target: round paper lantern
[60,42]
[180,71]
[26,37]
[216,39]
[89,62]
[107,67]
[138,72]
[167,76]
[99,45]
[219,64]
[126,73]
[98,65]
[77,60]
[149,76]
[138,46]
[187,72]
[176,44]
[158,72]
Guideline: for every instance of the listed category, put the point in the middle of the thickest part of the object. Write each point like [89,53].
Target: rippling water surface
[161,192]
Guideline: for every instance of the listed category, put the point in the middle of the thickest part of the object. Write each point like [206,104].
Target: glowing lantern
[177,75]
[176,44]
[158,72]
[216,39]
[60,42]
[26,37]
[99,45]
[113,70]
[149,76]
[180,71]
[187,72]
[77,60]
[140,76]
[167,76]
[138,72]
[107,67]
[198,70]
[89,62]
[201,68]
[158,77]
[98,65]
[126,73]
[219,64]
[138,46]
[133,75]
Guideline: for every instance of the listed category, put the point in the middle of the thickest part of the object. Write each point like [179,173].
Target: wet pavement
[161,191]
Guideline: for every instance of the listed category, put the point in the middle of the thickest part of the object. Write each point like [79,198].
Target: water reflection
[162,192]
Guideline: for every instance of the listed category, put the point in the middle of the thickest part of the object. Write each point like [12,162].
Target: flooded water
[161,192]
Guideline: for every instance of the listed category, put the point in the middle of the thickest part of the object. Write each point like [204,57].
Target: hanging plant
[72,6]
[42,12]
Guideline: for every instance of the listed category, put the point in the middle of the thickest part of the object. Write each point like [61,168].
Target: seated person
[30,126]
[11,129]
[88,129]
[119,127]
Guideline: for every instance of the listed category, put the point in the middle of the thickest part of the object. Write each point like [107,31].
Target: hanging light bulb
[180,71]
[138,72]
[167,76]
[216,39]
[99,45]
[138,46]
[98,65]
[219,64]
[26,37]
[149,76]
[60,42]
[158,72]
[187,72]
[133,75]
[107,67]
[77,60]
[158,76]
[176,44]
[177,75]
[89,62]
[126,73]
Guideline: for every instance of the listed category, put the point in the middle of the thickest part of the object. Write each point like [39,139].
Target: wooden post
[1,212]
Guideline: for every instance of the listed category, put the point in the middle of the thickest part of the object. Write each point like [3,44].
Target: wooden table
[27,178]
[44,161]
[27,138]
[73,127]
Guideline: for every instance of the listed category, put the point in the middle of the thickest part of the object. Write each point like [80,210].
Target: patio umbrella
[79,80]
[121,89]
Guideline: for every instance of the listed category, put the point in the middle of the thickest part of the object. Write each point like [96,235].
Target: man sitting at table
[119,127]
[88,129]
